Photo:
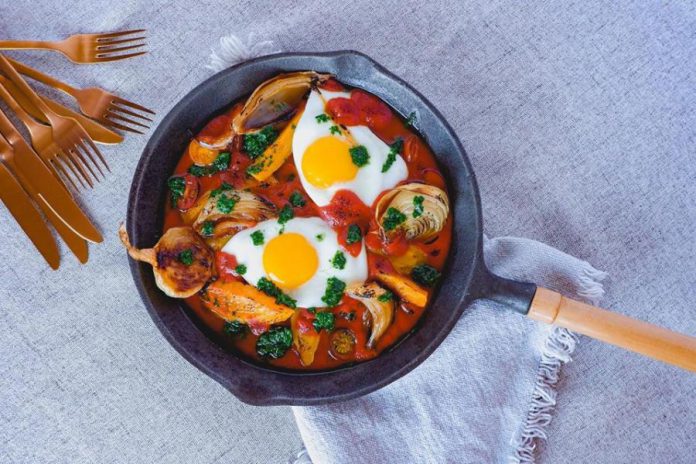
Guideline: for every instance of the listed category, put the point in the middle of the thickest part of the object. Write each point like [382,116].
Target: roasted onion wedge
[274,99]
[181,261]
[407,289]
[379,303]
[304,337]
[417,210]
[237,301]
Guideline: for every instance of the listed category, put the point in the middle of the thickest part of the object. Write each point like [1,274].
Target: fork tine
[116,108]
[87,143]
[109,35]
[133,105]
[105,52]
[111,114]
[80,155]
[121,127]
[119,57]
[75,167]
[108,42]
[58,166]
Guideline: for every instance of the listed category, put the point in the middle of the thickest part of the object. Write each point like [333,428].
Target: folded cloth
[485,395]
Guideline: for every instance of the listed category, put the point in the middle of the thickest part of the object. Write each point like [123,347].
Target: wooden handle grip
[623,331]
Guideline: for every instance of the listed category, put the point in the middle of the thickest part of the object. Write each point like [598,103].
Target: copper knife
[25,213]
[96,131]
[76,243]
[50,191]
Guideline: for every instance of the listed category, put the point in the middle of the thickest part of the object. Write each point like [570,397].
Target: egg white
[308,294]
[370,181]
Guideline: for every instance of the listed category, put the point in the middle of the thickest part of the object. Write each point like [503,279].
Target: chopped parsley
[255,144]
[320,237]
[274,343]
[418,206]
[334,291]
[207,228]
[425,275]
[257,238]
[392,218]
[240,269]
[186,257]
[225,203]
[312,310]
[354,234]
[235,328]
[271,289]
[223,187]
[339,260]
[386,296]
[285,214]
[322,118]
[411,120]
[222,162]
[394,149]
[297,200]
[177,186]
[254,169]
[334,130]
[324,320]
[359,156]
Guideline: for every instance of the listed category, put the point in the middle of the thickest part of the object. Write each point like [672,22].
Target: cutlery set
[34,177]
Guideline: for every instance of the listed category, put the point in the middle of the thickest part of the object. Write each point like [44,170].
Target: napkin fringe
[232,50]
[557,351]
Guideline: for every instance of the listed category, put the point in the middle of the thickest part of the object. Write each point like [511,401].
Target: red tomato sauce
[345,209]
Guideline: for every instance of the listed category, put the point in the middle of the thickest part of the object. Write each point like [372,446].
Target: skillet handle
[631,334]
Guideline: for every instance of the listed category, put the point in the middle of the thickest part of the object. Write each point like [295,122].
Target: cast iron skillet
[465,276]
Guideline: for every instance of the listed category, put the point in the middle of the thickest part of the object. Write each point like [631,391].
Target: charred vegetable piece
[305,338]
[342,343]
[181,261]
[412,257]
[237,301]
[274,99]
[418,211]
[407,289]
[219,133]
[277,152]
[274,343]
[183,191]
[381,309]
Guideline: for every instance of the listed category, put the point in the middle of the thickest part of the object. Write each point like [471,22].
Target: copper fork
[71,139]
[88,48]
[105,107]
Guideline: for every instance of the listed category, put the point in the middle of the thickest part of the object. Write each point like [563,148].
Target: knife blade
[96,131]
[27,216]
[50,191]
[76,243]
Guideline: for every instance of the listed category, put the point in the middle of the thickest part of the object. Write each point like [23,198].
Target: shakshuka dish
[307,225]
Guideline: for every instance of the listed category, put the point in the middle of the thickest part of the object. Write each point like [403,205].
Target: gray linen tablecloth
[579,120]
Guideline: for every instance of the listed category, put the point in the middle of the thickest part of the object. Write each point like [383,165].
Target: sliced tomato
[191,188]
[226,264]
[345,209]
[343,111]
[374,113]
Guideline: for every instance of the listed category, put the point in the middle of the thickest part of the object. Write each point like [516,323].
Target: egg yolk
[290,260]
[327,161]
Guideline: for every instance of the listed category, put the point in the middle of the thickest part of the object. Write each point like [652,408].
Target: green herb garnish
[235,328]
[177,186]
[257,238]
[207,228]
[359,156]
[223,187]
[394,149]
[255,144]
[240,269]
[222,162]
[225,203]
[186,257]
[386,296]
[418,206]
[339,260]
[425,275]
[354,234]
[334,291]
[285,214]
[271,289]
[322,118]
[320,237]
[334,130]
[254,169]
[324,320]
[297,200]
[274,343]
[392,218]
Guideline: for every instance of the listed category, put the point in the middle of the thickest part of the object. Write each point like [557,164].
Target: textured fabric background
[579,120]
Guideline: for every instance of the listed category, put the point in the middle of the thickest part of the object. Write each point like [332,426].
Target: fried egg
[298,256]
[322,154]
